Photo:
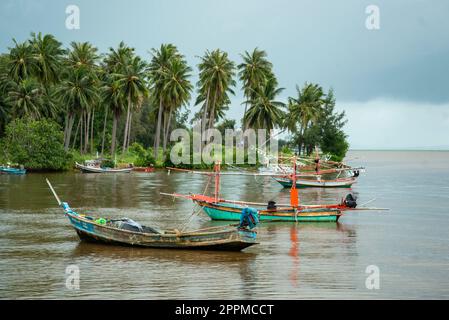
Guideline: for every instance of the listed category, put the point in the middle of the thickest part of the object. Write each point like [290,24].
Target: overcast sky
[393,82]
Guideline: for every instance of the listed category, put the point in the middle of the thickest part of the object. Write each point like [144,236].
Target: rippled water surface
[409,244]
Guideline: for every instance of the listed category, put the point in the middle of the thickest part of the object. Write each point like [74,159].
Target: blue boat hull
[13,171]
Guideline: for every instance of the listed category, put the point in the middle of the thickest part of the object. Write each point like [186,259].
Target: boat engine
[350,201]
[249,218]
[271,205]
[355,173]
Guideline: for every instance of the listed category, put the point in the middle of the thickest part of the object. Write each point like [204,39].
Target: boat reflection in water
[162,274]
[294,253]
[310,245]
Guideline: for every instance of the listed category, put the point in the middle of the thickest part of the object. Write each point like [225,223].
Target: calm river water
[409,244]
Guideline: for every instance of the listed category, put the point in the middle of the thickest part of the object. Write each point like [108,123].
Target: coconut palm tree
[304,109]
[113,67]
[25,98]
[133,86]
[83,56]
[77,91]
[158,70]
[177,89]
[113,100]
[4,88]
[21,63]
[265,111]
[116,60]
[47,55]
[254,72]
[216,73]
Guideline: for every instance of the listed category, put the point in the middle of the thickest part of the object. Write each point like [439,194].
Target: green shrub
[144,158]
[137,149]
[108,163]
[36,144]
[286,150]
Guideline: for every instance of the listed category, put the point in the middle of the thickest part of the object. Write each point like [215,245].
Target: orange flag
[294,201]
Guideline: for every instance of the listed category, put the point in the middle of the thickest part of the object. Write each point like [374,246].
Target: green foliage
[216,82]
[254,71]
[36,144]
[144,158]
[137,149]
[93,95]
[327,131]
[225,124]
[265,112]
[108,163]
[286,150]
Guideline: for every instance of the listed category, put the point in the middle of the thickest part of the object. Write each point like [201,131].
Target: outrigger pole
[217,180]
[53,191]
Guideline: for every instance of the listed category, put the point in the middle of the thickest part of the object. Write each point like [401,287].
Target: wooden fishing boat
[225,210]
[14,171]
[219,209]
[317,183]
[307,166]
[129,233]
[97,169]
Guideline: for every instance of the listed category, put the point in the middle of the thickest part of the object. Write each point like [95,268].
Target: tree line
[104,102]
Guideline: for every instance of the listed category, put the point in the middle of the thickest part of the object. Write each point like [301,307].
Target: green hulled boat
[231,211]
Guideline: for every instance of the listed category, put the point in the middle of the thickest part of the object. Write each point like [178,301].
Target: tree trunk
[301,140]
[212,113]
[114,132]
[76,132]
[164,127]
[87,131]
[81,132]
[244,113]
[104,128]
[158,130]
[125,138]
[66,126]
[129,130]
[206,107]
[166,137]
[71,119]
[92,133]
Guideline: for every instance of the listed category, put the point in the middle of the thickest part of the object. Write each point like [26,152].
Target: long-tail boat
[93,168]
[321,174]
[130,233]
[221,209]
[11,170]
[286,182]
[231,210]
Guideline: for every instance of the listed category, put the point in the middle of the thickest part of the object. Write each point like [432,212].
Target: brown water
[409,243]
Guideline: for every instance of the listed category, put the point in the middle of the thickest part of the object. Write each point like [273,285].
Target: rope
[198,208]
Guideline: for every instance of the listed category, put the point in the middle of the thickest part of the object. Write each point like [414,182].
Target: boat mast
[217,180]
[293,191]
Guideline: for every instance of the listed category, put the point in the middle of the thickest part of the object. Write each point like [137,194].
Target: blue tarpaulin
[249,218]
